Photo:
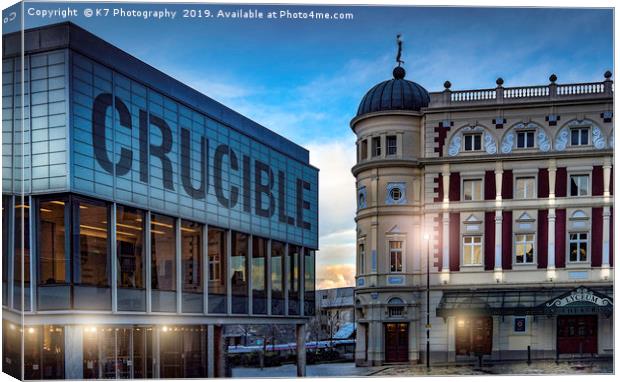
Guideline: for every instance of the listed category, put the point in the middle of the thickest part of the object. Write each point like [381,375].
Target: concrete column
[446,186]
[269,282]
[73,352]
[552,172]
[383,145]
[498,239]
[179,266]
[147,260]
[360,343]
[219,354]
[413,342]
[113,258]
[606,176]
[373,248]
[551,239]
[205,269]
[451,348]
[210,351]
[228,271]
[399,145]
[606,226]
[286,277]
[300,333]
[499,172]
[446,243]
[250,253]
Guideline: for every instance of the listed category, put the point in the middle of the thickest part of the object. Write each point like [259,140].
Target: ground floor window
[473,335]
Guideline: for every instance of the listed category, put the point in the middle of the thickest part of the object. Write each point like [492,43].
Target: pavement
[348,369]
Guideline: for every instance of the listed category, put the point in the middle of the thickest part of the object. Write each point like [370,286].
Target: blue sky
[305,78]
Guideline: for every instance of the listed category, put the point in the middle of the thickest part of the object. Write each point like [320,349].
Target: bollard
[580,349]
[557,355]
[529,355]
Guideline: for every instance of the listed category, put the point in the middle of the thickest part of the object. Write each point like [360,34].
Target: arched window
[396,307]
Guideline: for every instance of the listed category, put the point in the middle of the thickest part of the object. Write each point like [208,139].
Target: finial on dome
[607,75]
[399,43]
[399,73]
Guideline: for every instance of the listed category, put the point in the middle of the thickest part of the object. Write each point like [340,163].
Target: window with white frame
[362,260]
[472,250]
[472,142]
[525,187]
[525,139]
[579,185]
[376,146]
[524,248]
[472,189]
[577,247]
[579,136]
[396,256]
[391,144]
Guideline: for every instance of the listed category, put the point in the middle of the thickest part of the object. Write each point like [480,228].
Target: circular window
[396,194]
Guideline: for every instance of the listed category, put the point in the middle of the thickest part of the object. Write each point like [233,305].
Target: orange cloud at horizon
[335,276]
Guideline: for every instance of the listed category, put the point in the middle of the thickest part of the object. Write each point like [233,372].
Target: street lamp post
[428,302]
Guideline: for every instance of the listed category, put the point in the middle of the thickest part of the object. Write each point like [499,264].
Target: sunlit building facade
[507,192]
[140,216]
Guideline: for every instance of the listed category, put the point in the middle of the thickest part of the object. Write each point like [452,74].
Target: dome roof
[395,94]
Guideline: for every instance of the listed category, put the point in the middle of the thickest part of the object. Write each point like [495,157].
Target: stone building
[508,192]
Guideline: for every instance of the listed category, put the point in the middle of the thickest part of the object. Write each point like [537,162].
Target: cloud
[335,276]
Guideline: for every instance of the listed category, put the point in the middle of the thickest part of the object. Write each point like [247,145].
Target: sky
[304,79]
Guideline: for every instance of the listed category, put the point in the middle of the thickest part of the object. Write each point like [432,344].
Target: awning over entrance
[540,301]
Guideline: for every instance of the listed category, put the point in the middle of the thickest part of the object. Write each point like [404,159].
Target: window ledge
[472,268]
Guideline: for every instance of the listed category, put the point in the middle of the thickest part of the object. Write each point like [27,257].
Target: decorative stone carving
[544,143]
[489,143]
[561,141]
[455,145]
[598,139]
[508,142]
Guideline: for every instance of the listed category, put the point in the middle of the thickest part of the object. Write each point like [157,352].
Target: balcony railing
[522,94]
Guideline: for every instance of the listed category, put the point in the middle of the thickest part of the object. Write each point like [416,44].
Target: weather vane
[400,50]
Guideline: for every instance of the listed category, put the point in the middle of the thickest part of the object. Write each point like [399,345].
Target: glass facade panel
[44,352]
[191,252]
[309,277]
[163,250]
[6,207]
[239,272]
[277,277]
[21,245]
[294,279]
[217,271]
[183,352]
[259,275]
[54,271]
[92,247]
[130,258]
[11,349]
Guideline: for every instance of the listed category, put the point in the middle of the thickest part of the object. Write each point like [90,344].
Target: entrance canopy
[527,301]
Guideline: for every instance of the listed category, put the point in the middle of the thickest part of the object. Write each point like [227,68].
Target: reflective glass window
[130,258]
[217,270]
[239,272]
[191,255]
[309,282]
[259,275]
[277,277]
[294,280]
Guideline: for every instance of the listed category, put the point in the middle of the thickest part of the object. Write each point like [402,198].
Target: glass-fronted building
[139,216]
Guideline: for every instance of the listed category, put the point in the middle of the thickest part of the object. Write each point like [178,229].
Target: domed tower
[389,179]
